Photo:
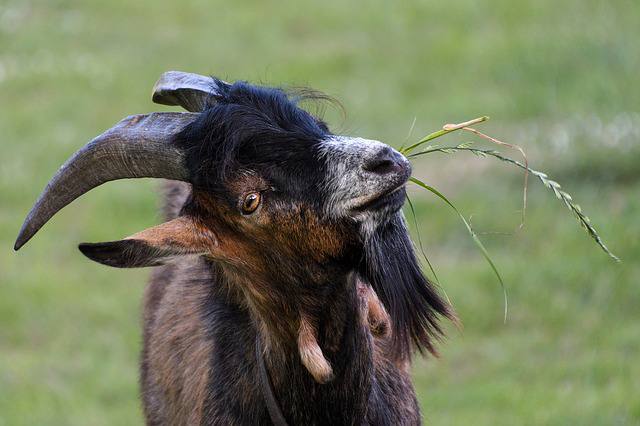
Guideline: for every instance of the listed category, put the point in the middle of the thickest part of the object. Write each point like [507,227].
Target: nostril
[383,162]
[380,167]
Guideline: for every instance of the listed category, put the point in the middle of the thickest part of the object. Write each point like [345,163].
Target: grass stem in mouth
[445,130]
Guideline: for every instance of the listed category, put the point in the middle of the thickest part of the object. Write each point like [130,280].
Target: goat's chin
[371,221]
[379,212]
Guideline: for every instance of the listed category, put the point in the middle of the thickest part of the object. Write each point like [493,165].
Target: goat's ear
[154,246]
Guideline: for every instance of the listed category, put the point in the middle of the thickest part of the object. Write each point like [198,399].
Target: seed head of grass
[412,152]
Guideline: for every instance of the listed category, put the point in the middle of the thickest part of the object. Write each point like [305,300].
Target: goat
[289,291]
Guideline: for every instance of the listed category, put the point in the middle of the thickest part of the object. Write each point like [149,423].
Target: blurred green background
[559,78]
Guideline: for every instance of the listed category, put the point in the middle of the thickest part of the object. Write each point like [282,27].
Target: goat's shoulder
[177,349]
[174,195]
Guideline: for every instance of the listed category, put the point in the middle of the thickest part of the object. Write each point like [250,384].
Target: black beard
[389,263]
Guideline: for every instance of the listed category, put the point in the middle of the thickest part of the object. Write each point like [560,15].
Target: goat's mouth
[392,198]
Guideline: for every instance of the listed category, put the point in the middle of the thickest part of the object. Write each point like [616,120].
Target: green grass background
[559,78]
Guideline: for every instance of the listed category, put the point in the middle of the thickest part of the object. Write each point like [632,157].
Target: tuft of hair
[240,118]
[415,307]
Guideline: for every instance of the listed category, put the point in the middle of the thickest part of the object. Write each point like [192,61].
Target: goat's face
[277,183]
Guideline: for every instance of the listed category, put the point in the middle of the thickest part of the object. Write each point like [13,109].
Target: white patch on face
[348,184]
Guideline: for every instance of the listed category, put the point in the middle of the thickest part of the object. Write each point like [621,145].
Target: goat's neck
[334,311]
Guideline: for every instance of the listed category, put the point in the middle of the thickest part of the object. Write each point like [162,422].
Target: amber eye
[251,202]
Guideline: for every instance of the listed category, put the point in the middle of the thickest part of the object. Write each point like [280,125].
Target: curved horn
[138,146]
[190,91]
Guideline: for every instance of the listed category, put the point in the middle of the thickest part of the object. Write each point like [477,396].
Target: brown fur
[178,350]
[178,373]
[183,234]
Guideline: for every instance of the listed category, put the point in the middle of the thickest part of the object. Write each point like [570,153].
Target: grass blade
[445,130]
[475,237]
[424,254]
[554,186]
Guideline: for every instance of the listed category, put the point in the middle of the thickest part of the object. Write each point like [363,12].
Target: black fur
[337,402]
[390,265]
[253,127]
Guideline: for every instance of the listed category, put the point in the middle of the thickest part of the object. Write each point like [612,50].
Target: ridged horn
[190,91]
[138,146]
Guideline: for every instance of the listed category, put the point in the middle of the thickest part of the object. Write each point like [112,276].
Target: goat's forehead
[310,156]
